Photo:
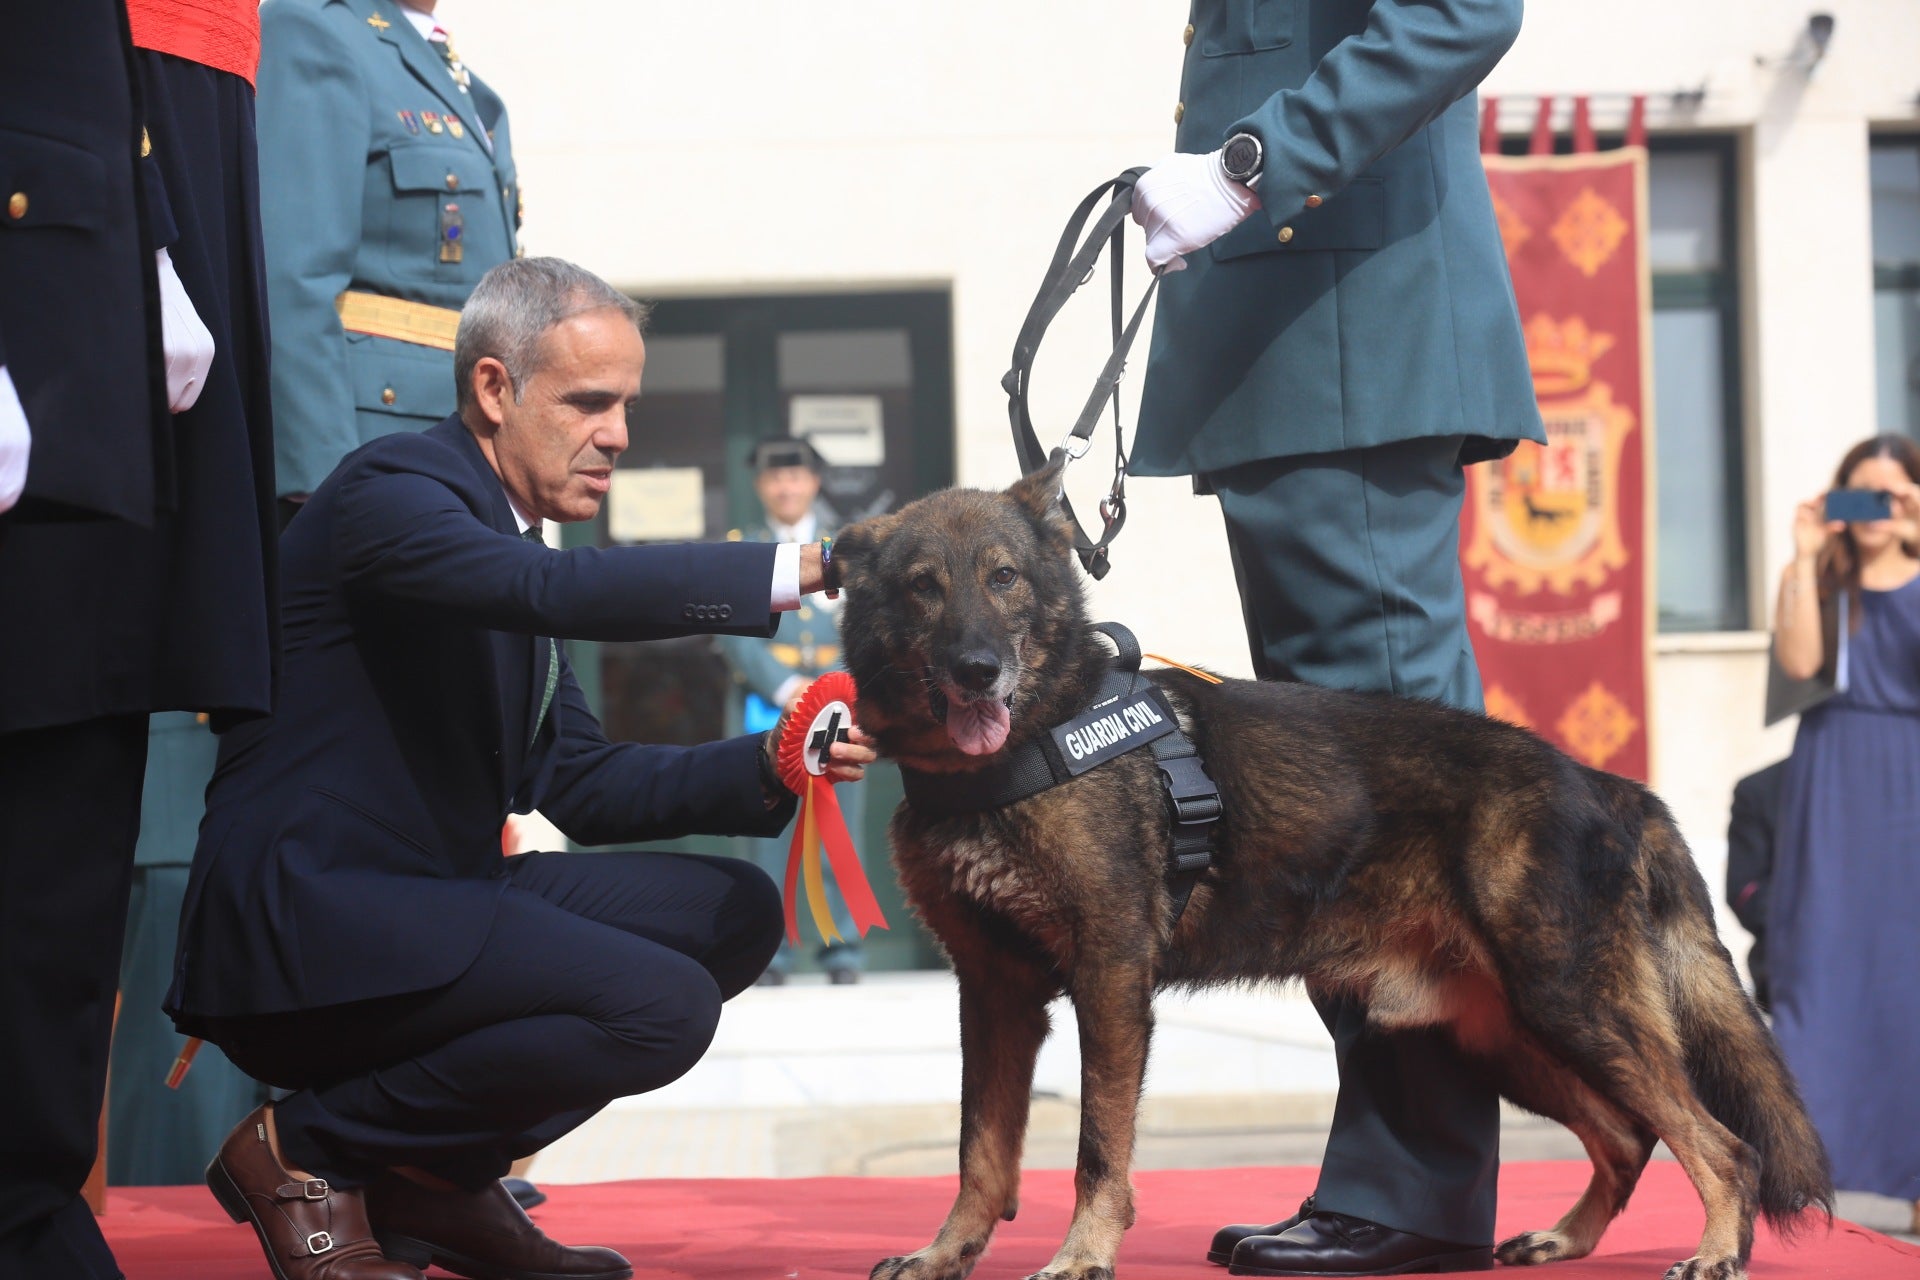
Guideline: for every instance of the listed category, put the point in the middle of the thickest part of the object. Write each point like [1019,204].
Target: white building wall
[778,145]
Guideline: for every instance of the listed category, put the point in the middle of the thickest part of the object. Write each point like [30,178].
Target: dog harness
[1127,713]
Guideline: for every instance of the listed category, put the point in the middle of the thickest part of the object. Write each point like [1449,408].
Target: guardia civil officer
[388,189]
[1339,338]
[115,602]
[773,674]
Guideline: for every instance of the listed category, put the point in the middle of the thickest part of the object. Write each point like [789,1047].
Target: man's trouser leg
[1348,565]
[603,976]
[69,815]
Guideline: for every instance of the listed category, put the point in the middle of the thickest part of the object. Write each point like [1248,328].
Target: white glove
[185,341]
[15,441]
[1186,202]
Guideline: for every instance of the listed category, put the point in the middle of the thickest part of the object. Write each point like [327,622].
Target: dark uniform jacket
[133,573]
[352,843]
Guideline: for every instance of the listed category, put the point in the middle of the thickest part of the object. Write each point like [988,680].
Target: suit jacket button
[1286,234]
[686,611]
[17,205]
[387,396]
[1179,112]
[453,182]
[1186,37]
[1314,202]
[726,611]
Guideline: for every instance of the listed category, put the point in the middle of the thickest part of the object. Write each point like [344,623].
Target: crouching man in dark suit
[351,931]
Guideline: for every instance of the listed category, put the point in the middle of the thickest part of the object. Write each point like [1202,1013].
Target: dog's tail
[1732,1059]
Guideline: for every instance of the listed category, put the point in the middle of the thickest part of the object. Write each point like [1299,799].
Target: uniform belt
[793,655]
[396,318]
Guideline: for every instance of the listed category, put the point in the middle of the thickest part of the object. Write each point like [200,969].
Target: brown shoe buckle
[311,1189]
[319,1242]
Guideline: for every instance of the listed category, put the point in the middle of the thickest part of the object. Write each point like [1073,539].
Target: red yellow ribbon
[801,760]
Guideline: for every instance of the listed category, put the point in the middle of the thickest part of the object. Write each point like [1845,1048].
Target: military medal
[451,226]
[411,121]
[432,120]
[455,128]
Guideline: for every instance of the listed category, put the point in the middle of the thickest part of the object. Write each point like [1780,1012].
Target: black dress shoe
[1334,1244]
[524,1193]
[1224,1240]
[843,977]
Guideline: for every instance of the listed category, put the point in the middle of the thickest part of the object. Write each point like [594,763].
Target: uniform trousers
[69,815]
[602,976]
[1349,575]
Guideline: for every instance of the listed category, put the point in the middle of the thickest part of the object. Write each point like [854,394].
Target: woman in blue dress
[1844,926]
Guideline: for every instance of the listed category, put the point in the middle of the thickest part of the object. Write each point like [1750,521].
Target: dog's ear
[1039,494]
[857,543]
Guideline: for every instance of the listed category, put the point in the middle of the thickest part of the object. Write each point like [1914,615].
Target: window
[1698,470]
[1895,182]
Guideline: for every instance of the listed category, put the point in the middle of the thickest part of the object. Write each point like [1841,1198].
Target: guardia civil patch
[1112,728]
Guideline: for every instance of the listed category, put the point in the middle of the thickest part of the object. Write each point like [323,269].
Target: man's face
[554,445]
[787,492]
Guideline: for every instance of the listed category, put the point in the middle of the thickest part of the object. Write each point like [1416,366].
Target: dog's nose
[976,670]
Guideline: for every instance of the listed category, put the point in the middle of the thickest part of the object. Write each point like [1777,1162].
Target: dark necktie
[553,658]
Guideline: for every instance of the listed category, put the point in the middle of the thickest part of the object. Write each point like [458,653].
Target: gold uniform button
[17,206]
[1186,37]
[453,182]
[1286,234]
[1313,202]
[387,396]
[200,717]
[1179,112]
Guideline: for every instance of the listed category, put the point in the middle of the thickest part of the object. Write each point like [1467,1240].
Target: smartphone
[1859,505]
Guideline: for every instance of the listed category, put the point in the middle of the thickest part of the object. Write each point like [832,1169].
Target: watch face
[1241,155]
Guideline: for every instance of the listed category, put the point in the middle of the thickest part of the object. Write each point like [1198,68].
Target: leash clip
[1075,446]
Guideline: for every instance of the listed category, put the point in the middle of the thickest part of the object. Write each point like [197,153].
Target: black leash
[1070,268]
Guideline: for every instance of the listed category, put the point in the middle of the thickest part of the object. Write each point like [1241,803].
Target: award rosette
[800,758]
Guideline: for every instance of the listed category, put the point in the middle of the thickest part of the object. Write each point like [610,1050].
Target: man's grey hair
[515,304]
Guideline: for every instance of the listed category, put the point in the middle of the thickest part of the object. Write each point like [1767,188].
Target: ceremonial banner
[1556,542]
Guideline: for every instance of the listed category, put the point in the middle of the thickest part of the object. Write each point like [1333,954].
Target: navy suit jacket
[351,847]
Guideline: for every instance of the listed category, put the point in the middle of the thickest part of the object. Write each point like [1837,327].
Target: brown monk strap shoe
[309,1230]
[1227,1237]
[481,1234]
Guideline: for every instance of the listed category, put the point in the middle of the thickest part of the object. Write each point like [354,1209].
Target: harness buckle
[1076,446]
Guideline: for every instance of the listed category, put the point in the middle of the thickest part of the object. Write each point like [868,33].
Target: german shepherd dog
[1447,868]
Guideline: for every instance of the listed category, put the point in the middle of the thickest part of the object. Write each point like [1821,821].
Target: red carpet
[837,1228]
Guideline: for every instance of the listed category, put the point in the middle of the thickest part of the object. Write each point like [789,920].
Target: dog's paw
[1531,1248]
[1697,1268]
[928,1264]
[1074,1273]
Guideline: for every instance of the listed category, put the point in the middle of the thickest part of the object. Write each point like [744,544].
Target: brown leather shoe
[310,1231]
[483,1234]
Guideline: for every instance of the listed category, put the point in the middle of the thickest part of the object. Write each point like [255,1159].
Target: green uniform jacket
[355,189]
[1368,300]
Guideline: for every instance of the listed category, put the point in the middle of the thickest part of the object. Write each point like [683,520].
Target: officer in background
[1337,338]
[387,190]
[774,673]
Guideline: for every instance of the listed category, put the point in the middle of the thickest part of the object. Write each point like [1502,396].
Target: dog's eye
[923,583]
[1004,576]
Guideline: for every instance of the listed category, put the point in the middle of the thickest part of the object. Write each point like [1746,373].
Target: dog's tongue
[978,728]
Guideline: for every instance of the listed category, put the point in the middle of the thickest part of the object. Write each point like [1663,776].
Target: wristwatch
[1241,158]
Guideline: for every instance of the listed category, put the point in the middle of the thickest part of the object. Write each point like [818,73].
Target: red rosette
[800,761]
[793,759]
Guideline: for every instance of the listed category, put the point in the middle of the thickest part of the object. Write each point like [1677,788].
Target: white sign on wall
[845,429]
[656,504]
